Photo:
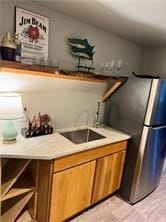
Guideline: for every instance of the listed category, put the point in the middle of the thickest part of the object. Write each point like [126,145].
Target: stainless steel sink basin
[82,136]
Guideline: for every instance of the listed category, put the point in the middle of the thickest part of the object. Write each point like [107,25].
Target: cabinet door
[108,175]
[71,191]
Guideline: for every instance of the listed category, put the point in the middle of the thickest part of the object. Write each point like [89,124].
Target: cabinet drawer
[85,156]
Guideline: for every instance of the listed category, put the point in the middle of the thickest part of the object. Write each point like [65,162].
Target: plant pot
[8,53]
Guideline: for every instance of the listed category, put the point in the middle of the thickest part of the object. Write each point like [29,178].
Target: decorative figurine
[82,49]
[38,126]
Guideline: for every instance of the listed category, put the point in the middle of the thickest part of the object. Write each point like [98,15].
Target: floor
[114,209]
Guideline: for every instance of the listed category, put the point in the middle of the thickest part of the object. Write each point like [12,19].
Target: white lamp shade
[10,106]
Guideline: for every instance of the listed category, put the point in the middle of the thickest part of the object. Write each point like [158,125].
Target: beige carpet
[114,209]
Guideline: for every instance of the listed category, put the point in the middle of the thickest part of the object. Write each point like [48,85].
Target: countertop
[55,145]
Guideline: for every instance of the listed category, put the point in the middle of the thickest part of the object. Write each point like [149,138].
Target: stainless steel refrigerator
[139,109]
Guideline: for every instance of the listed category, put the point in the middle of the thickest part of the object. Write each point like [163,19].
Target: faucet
[97,116]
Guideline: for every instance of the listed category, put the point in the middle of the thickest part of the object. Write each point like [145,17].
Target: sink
[82,136]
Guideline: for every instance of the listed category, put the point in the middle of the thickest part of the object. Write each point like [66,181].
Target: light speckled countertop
[55,145]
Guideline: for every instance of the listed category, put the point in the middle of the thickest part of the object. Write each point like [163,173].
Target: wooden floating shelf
[13,207]
[11,172]
[23,185]
[37,70]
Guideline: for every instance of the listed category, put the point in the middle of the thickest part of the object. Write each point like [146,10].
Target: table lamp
[10,109]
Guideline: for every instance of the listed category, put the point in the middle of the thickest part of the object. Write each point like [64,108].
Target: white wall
[107,46]
[154,60]
[69,103]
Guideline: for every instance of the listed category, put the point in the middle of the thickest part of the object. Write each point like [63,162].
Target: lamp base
[9,132]
[9,141]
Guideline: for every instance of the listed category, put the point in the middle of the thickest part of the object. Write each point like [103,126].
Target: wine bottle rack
[18,193]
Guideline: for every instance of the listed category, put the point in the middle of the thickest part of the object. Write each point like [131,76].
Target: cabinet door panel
[108,175]
[71,191]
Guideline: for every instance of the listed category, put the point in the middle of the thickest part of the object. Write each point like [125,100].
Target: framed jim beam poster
[32,30]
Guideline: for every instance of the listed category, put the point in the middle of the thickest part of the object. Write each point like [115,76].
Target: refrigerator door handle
[156,109]
[151,102]
[139,162]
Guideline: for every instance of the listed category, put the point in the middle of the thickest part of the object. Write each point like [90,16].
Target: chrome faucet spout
[97,121]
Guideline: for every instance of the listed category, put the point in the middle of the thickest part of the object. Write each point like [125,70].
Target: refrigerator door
[125,111]
[150,162]
[156,110]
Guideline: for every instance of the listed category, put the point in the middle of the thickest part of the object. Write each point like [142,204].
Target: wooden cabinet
[71,191]
[108,175]
[70,184]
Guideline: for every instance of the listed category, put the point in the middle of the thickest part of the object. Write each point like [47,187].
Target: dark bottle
[18,48]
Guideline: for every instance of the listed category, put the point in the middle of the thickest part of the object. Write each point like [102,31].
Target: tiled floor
[114,209]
